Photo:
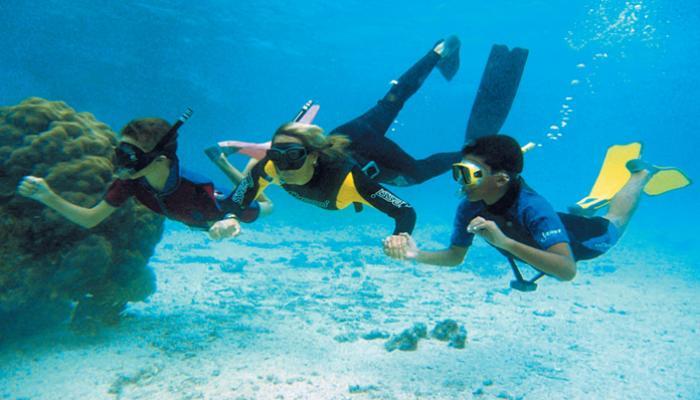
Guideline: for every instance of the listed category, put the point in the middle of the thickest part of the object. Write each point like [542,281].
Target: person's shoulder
[340,164]
[351,167]
[534,206]
[529,198]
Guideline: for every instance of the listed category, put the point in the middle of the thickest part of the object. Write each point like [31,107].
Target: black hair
[500,152]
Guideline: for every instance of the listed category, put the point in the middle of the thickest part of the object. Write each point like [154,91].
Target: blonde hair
[331,148]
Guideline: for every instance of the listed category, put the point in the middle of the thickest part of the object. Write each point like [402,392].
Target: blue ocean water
[246,68]
[626,69]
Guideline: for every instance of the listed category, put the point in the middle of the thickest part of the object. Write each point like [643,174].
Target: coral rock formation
[45,258]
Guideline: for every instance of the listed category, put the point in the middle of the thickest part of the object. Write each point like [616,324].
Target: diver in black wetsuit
[316,169]
[381,158]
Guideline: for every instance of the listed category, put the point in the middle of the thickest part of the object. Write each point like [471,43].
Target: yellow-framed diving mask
[467,173]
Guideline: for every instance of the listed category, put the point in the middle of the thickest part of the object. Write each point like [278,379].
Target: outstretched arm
[37,189]
[449,257]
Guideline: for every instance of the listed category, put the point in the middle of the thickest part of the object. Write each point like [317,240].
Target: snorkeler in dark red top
[148,169]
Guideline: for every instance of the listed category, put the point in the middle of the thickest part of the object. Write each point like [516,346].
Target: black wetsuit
[369,143]
[334,186]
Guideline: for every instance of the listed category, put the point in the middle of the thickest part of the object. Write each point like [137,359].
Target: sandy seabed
[282,315]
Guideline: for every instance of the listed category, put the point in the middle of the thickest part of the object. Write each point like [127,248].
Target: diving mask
[287,156]
[131,159]
[467,173]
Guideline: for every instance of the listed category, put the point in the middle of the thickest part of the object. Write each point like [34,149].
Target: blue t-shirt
[529,212]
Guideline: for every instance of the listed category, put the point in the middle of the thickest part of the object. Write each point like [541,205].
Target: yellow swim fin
[612,177]
[665,180]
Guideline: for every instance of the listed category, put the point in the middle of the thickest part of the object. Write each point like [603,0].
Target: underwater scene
[453,199]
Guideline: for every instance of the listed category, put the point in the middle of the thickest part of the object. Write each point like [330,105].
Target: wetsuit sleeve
[118,193]
[543,223]
[241,201]
[383,200]
[465,213]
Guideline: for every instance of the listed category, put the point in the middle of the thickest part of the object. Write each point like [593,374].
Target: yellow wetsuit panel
[269,169]
[348,194]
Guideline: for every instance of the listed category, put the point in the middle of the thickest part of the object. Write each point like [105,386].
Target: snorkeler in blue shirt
[502,209]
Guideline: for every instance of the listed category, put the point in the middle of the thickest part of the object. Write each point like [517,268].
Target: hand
[488,230]
[400,247]
[35,188]
[226,228]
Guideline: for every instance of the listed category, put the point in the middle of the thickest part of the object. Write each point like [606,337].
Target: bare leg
[231,172]
[625,202]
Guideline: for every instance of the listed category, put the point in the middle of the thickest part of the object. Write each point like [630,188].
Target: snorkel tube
[167,143]
[304,109]
[307,113]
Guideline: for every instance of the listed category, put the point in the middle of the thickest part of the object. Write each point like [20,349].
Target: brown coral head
[46,259]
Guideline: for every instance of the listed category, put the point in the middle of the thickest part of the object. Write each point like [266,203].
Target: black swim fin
[499,84]
[449,61]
